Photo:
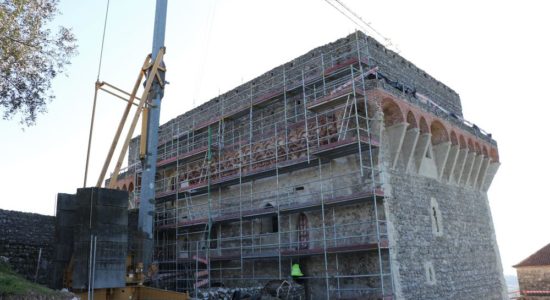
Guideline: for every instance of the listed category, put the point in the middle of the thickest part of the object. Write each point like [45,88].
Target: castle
[349,162]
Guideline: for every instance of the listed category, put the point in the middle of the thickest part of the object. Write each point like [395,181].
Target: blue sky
[493,53]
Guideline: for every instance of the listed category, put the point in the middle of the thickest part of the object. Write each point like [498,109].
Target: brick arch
[471,146]
[411,119]
[493,153]
[454,138]
[392,113]
[478,148]
[439,133]
[131,186]
[423,126]
[462,142]
[124,188]
[484,151]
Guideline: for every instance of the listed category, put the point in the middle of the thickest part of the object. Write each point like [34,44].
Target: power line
[205,51]
[343,13]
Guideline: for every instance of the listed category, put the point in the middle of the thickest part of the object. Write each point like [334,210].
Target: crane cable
[205,51]
[96,86]
[364,25]
[103,40]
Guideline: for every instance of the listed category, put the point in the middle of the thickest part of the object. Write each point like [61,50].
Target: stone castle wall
[442,239]
[22,235]
[396,68]
[464,257]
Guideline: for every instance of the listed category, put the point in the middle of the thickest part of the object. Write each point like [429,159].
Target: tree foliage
[31,56]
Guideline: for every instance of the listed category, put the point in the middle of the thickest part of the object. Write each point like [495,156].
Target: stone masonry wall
[458,260]
[22,235]
[535,278]
[399,69]
[464,258]
[391,64]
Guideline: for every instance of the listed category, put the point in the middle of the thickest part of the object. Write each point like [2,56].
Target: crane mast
[149,153]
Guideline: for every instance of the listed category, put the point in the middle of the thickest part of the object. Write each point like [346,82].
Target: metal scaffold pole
[372,172]
[147,206]
[279,143]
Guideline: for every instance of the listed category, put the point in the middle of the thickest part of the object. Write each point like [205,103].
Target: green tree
[31,56]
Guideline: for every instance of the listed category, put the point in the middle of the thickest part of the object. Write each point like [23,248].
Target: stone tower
[349,162]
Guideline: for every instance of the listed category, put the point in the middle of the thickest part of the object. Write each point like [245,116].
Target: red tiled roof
[539,258]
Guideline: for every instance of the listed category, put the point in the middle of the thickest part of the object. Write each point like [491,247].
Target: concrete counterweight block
[101,213]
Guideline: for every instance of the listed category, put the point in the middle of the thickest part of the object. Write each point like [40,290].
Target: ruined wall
[22,235]
[452,254]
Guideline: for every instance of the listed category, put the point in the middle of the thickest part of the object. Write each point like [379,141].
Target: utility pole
[149,166]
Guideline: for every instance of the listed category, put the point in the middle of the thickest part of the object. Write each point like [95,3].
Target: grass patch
[13,284]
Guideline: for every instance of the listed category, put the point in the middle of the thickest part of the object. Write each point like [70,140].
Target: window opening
[435,218]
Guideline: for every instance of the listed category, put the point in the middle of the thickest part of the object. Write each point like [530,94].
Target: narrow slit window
[430,273]
[435,216]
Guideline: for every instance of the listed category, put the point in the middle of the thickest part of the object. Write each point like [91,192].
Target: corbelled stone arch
[492,169]
[411,119]
[460,160]
[454,139]
[478,148]
[493,153]
[462,142]
[423,125]
[392,113]
[395,128]
[469,163]
[484,151]
[471,146]
[452,157]
[484,167]
[439,133]
[477,164]
[410,141]
[422,149]
[440,146]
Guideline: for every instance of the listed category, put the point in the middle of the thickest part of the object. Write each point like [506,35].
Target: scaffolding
[286,171]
